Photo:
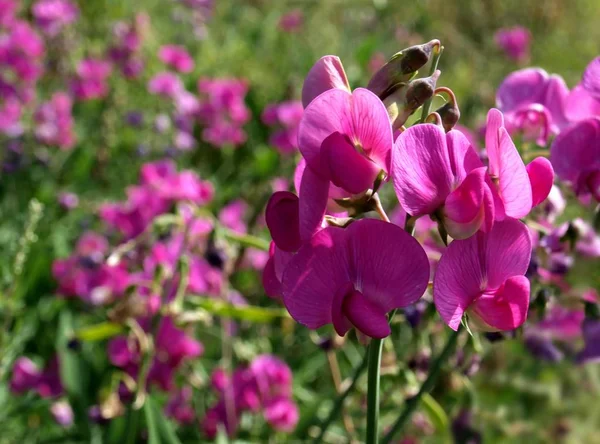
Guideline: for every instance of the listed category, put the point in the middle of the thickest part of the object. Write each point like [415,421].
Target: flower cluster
[125,51]
[263,386]
[54,122]
[286,118]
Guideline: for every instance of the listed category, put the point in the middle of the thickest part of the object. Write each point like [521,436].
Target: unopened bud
[449,111]
[407,99]
[401,68]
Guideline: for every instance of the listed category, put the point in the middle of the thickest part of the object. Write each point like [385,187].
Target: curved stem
[375,350]
[434,64]
[412,403]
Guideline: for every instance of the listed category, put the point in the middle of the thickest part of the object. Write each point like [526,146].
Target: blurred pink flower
[52,15]
[291,21]
[176,57]
[514,42]
[54,122]
[91,79]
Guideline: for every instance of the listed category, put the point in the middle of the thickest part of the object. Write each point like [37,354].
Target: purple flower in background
[514,42]
[291,21]
[165,84]
[54,122]
[10,118]
[8,8]
[91,79]
[49,385]
[286,117]
[179,406]
[176,57]
[591,335]
[62,413]
[125,51]
[25,375]
[52,15]
[68,200]
[232,216]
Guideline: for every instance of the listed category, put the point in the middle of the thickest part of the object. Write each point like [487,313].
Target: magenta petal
[506,308]
[458,279]
[591,78]
[366,316]
[314,192]
[282,217]
[327,114]
[463,157]
[348,168]
[576,150]
[421,169]
[392,269]
[341,324]
[464,212]
[271,284]
[508,251]
[495,121]
[521,87]
[313,277]
[555,101]
[371,127]
[541,176]
[328,73]
[513,181]
[580,104]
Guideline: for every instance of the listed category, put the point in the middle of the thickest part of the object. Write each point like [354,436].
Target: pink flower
[346,138]
[10,118]
[450,181]
[354,277]
[584,100]
[286,116]
[8,8]
[591,78]
[575,155]
[125,50]
[54,122]
[291,21]
[180,407]
[516,188]
[514,42]
[484,275]
[176,57]
[52,15]
[91,80]
[165,84]
[282,414]
[534,104]
[62,413]
[25,375]
[232,216]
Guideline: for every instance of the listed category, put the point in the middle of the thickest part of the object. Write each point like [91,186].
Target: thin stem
[337,382]
[434,64]
[246,240]
[412,403]
[375,350]
[379,208]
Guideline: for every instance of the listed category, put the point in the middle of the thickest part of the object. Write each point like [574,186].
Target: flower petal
[505,309]
[591,78]
[349,169]
[328,73]
[421,169]
[366,316]
[580,104]
[390,267]
[371,127]
[314,191]
[541,176]
[314,275]
[282,218]
[521,87]
[464,211]
[576,149]
[463,157]
[555,101]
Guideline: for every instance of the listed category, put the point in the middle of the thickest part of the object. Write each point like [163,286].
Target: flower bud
[408,98]
[449,112]
[400,68]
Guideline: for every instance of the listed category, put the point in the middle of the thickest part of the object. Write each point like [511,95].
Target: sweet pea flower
[165,84]
[291,21]
[514,42]
[91,79]
[54,122]
[327,73]
[575,156]
[449,182]
[53,15]
[286,117]
[484,277]
[354,277]
[534,103]
[232,216]
[516,188]
[176,57]
[591,78]
[8,8]
[591,336]
[62,413]
[179,406]
[10,118]
[25,375]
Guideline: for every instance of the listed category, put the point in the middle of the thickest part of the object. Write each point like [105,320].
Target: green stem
[375,350]
[246,239]
[339,402]
[412,403]
[434,64]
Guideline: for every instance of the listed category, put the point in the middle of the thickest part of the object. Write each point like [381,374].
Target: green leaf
[244,313]
[160,429]
[435,412]
[99,332]
[153,433]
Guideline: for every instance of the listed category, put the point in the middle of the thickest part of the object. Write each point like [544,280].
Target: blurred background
[53,190]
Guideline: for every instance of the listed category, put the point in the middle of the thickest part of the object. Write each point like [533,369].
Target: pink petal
[349,169]
[521,87]
[328,73]
[271,284]
[576,149]
[508,251]
[282,217]
[421,169]
[391,268]
[341,324]
[371,128]
[591,78]
[458,279]
[555,101]
[366,315]
[314,192]
[513,182]
[329,113]
[580,104]
[505,309]
[495,121]
[463,157]
[541,176]
[464,210]
[313,277]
